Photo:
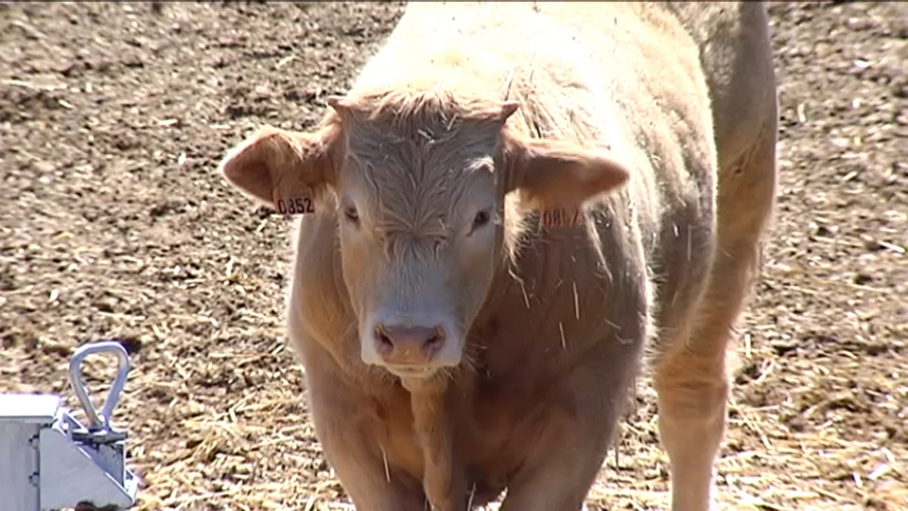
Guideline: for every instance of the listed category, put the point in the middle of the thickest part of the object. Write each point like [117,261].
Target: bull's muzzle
[408,345]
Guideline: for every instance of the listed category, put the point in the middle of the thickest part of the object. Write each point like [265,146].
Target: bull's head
[420,183]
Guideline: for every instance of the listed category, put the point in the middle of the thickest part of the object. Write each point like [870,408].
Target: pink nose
[408,345]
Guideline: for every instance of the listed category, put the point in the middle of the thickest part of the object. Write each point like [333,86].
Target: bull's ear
[274,166]
[552,174]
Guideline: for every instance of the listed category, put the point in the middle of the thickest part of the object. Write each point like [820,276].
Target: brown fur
[658,119]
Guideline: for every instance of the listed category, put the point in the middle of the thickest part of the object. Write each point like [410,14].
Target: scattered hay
[113,224]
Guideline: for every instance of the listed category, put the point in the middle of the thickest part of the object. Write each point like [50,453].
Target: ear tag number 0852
[296,206]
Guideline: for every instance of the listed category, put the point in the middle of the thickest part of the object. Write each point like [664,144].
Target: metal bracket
[57,462]
[102,421]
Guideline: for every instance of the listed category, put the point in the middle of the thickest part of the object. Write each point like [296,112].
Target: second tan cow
[510,206]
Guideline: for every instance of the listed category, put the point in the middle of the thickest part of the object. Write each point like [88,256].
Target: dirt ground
[114,224]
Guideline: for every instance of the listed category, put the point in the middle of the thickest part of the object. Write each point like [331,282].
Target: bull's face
[419,184]
[419,227]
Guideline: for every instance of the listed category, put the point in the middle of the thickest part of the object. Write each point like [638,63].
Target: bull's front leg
[563,464]
[357,459]
[443,477]
[348,444]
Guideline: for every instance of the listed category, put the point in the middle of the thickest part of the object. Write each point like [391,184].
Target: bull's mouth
[412,372]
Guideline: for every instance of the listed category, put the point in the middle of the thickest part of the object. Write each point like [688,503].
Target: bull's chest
[494,429]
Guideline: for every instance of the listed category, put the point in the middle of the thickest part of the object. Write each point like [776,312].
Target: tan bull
[465,328]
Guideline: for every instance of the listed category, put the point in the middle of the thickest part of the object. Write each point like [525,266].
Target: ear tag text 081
[560,217]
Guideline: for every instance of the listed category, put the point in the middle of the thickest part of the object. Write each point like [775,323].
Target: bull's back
[733,39]
[623,75]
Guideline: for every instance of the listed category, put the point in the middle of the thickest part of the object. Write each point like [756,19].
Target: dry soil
[114,224]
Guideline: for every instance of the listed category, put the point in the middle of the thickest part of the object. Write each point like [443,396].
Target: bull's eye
[351,215]
[481,219]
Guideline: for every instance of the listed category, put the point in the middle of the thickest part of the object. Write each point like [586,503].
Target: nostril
[382,338]
[434,341]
